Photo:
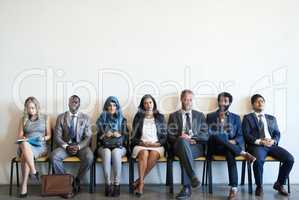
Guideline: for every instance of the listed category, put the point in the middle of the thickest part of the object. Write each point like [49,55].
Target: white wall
[51,49]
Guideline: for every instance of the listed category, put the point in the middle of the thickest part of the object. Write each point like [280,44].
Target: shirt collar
[75,115]
[185,112]
[258,114]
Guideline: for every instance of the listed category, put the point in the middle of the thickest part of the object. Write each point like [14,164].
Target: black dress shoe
[77,187]
[23,195]
[277,186]
[108,190]
[116,191]
[194,181]
[185,193]
[259,191]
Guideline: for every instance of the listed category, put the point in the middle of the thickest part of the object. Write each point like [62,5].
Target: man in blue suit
[262,137]
[226,138]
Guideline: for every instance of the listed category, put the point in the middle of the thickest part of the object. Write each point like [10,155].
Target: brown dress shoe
[259,191]
[232,195]
[68,196]
[277,186]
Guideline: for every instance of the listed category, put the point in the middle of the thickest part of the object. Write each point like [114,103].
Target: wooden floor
[158,192]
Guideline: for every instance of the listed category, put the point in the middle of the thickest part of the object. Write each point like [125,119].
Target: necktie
[261,126]
[72,128]
[188,123]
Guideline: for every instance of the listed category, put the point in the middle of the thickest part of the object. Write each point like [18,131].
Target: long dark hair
[141,109]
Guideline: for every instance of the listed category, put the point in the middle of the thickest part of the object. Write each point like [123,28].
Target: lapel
[180,120]
[230,120]
[194,122]
[66,124]
[254,120]
[268,124]
[68,119]
[80,121]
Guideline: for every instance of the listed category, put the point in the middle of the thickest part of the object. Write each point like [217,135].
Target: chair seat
[270,158]
[123,159]
[201,158]
[71,159]
[162,159]
[222,158]
[40,159]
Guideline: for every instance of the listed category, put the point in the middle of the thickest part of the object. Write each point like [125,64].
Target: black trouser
[219,146]
[279,153]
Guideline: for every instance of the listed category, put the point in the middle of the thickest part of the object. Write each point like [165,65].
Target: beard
[224,108]
[187,107]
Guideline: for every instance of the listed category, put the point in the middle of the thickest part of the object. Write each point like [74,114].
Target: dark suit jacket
[199,127]
[234,122]
[138,126]
[251,129]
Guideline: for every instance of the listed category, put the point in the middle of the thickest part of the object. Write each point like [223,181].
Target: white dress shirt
[184,117]
[266,130]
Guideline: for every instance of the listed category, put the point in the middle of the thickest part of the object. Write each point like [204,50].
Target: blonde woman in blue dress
[33,126]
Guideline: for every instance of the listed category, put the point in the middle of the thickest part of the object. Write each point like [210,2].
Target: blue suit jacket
[251,129]
[234,121]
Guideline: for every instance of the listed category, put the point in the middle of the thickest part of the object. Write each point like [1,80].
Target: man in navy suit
[226,138]
[262,137]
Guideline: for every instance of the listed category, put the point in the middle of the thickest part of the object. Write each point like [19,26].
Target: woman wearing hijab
[112,142]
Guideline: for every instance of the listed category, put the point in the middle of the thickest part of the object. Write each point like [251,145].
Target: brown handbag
[58,185]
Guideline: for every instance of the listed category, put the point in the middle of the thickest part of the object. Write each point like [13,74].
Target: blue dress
[33,129]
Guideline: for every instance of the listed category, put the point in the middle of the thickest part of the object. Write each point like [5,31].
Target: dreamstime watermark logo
[167,93]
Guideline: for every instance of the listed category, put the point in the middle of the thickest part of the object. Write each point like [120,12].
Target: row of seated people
[187,133]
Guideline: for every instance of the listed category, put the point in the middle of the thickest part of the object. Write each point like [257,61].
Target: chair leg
[249,177]
[131,175]
[17,172]
[167,172]
[207,172]
[170,176]
[289,186]
[49,168]
[91,179]
[95,176]
[203,173]
[243,172]
[210,177]
[11,176]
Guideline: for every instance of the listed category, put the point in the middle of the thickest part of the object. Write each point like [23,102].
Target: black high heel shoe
[35,176]
[139,190]
[23,195]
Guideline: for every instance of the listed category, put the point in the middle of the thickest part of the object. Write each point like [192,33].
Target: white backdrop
[52,49]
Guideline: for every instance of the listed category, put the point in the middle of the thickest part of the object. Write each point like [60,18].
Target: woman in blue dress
[34,131]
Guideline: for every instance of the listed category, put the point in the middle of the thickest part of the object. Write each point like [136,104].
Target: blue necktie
[72,129]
